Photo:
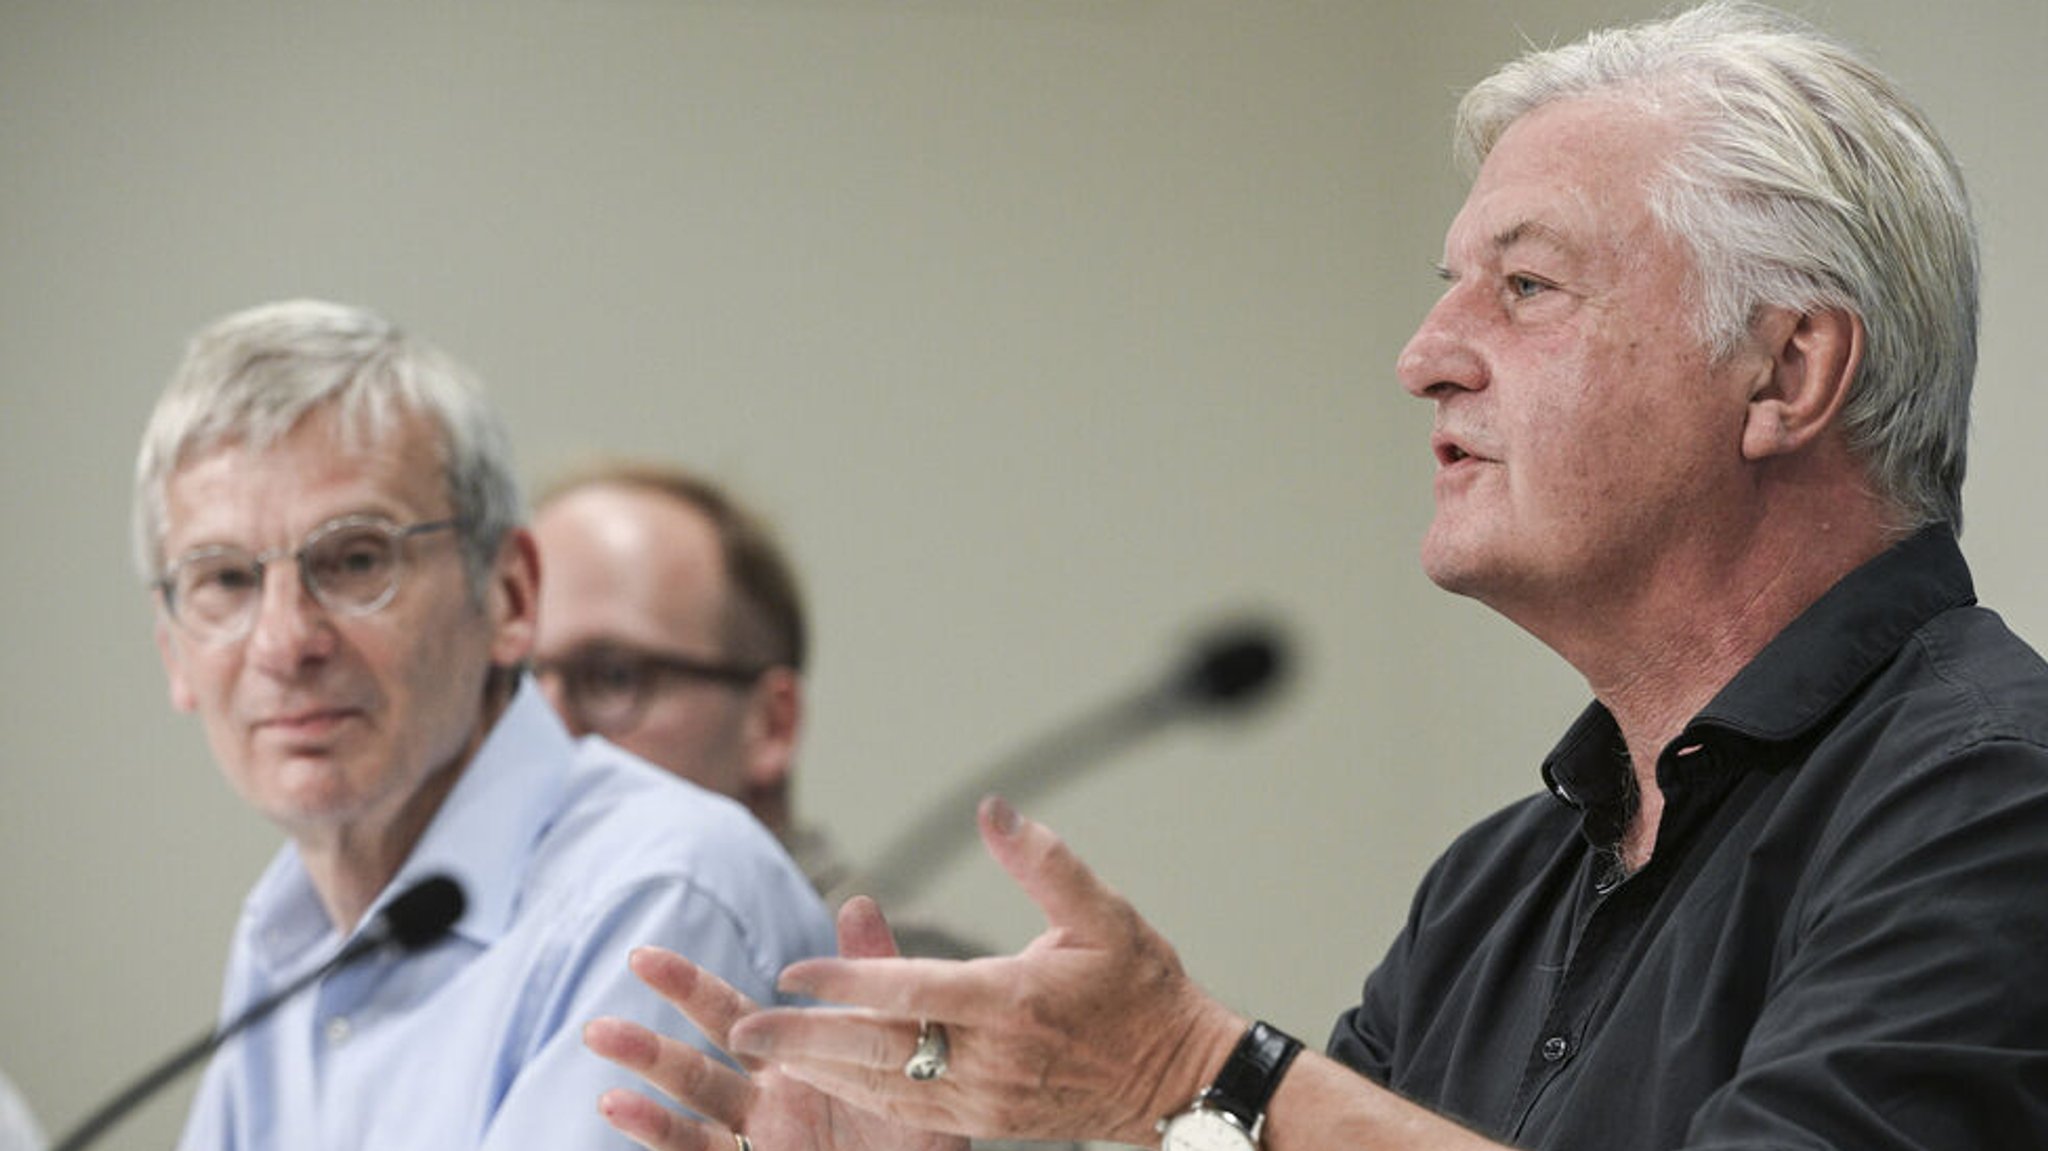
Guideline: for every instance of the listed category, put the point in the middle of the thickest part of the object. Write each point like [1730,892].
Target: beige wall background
[1047,330]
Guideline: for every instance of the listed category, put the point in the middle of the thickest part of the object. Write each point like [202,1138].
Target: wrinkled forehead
[327,463]
[1580,173]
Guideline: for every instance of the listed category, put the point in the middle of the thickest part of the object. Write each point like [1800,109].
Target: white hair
[250,377]
[1804,180]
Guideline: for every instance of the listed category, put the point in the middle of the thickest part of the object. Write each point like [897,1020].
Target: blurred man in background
[672,623]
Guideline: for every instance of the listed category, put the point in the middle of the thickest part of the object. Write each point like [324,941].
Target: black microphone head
[1232,666]
[423,912]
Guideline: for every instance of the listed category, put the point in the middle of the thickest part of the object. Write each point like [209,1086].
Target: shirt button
[338,1030]
[1554,1048]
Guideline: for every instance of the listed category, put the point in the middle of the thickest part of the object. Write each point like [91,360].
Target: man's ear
[1814,357]
[775,714]
[513,598]
[174,664]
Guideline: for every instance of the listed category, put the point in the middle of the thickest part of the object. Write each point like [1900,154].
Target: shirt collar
[482,837]
[1801,676]
[1811,668]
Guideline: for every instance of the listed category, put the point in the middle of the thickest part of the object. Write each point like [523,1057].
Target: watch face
[1205,1130]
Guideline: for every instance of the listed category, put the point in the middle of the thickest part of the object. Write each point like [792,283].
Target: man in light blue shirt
[327,516]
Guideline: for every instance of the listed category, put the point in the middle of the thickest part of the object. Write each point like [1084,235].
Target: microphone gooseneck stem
[417,917]
[916,855]
[117,1108]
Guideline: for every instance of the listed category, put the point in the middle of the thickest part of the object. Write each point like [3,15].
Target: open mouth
[1449,452]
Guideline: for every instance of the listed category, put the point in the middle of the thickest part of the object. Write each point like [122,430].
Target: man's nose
[291,625]
[1440,355]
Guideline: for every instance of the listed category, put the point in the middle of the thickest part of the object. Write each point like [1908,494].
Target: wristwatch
[1229,1114]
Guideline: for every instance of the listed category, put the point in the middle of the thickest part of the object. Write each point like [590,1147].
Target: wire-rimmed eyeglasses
[350,566]
[607,687]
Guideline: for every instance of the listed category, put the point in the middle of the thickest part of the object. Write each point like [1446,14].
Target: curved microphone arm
[416,917]
[1230,669]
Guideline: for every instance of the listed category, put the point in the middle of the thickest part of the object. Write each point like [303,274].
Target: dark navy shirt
[1840,941]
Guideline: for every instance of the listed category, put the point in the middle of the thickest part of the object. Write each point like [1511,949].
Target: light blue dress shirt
[571,853]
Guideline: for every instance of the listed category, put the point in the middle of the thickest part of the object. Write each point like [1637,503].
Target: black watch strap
[1251,1074]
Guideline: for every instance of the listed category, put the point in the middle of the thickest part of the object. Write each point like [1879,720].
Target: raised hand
[772,1110]
[1093,1031]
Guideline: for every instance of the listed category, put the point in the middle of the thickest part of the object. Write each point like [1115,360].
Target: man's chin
[303,793]
[1454,565]
[299,818]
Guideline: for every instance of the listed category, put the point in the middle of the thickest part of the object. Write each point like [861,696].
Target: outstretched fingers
[656,1127]
[953,990]
[708,1001]
[1040,1044]
[823,1035]
[683,1073]
[1063,887]
[863,933]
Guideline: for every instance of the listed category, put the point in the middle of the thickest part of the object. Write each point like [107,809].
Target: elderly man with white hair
[1700,374]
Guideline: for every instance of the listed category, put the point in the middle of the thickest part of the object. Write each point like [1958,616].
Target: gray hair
[1804,180]
[249,378]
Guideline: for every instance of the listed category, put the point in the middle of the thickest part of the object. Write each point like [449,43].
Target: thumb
[863,933]
[1049,872]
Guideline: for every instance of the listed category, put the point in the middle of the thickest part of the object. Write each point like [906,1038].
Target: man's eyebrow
[1531,230]
[1518,232]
